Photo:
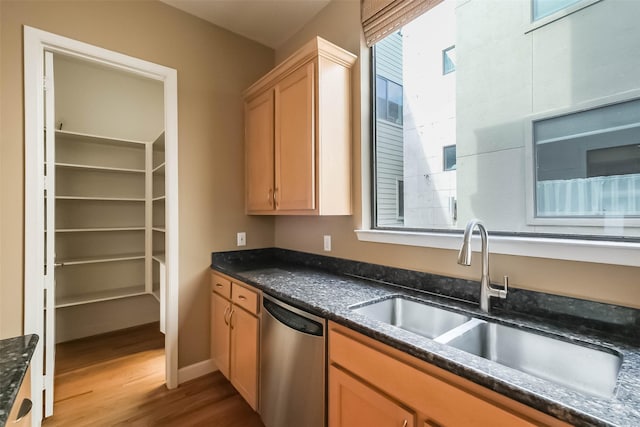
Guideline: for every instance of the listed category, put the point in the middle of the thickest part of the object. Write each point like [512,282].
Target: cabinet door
[353,403]
[20,414]
[295,141]
[220,309]
[244,355]
[259,153]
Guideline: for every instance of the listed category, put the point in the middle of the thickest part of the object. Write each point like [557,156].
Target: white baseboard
[196,370]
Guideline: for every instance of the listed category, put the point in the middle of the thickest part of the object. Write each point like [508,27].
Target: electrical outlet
[242,238]
[327,243]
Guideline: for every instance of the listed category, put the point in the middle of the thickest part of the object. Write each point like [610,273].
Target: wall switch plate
[327,243]
[242,238]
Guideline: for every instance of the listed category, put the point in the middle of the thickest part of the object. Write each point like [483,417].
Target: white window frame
[598,251]
[530,178]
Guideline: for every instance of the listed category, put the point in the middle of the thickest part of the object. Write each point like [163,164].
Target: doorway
[105,191]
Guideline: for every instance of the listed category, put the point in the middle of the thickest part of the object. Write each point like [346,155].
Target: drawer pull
[24,410]
[242,297]
[218,285]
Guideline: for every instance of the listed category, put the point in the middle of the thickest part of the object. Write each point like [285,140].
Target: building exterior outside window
[389,162]
[449,158]
[429,124]
[542,8]
[449,60]
[544,122]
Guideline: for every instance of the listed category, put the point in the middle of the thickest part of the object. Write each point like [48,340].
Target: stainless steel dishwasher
[292,366]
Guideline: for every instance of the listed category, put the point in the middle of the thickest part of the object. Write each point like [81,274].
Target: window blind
[382,17]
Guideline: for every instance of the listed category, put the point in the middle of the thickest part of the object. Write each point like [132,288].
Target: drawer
[245,298]
[221,285]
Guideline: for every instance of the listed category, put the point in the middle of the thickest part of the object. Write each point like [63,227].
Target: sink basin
[422,319]
[582,368]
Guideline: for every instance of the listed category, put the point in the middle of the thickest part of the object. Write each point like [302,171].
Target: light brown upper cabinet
[298,135]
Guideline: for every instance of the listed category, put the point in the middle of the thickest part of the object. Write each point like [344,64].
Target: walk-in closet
[109,199]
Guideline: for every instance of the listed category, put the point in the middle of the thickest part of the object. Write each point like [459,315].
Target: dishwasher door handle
[293,320]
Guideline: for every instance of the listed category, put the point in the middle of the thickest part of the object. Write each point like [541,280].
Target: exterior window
[588,163]
[389,100]
[540,140]
[449,60]
[449,157]
[400,200]
[542,8]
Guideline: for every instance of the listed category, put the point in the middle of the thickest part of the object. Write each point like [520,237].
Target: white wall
[429,118]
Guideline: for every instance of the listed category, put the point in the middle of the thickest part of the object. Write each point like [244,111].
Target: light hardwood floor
[117,379]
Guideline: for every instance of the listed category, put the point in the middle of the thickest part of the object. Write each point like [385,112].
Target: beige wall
[619,285]
[214,66]
[99,100]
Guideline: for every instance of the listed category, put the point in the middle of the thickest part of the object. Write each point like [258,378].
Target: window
[449,60]
[542,8]
[449,157]
[588,163]
[400,198]
[542,140]
[389,100]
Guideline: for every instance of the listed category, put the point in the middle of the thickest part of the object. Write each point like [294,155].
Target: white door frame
[35,43]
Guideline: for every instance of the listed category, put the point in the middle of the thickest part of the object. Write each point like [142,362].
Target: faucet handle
[502,293]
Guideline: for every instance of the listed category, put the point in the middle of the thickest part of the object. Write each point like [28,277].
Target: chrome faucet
[464,258]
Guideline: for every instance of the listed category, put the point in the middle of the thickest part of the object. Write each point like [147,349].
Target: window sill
[615,253]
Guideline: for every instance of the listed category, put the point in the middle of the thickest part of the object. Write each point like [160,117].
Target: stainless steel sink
[582,368]
[422,319]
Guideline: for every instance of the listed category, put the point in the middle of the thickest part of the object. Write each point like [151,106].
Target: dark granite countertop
[318,288]
[15,356]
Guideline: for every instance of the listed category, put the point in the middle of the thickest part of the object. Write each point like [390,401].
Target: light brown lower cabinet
[372,384]
[235,334]
[20,414]
[355,403]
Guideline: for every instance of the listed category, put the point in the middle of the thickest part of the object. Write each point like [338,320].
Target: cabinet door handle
[231,318]
[275,197]
[226,310]
[405,423]
[24,410]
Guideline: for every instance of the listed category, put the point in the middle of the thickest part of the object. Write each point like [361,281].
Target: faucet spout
[464,258]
